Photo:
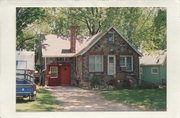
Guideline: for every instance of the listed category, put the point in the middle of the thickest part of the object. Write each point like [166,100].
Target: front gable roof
[59,46]
[100,36]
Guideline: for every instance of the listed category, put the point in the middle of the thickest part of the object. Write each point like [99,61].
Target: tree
[25,18]
[160,29]
[91,18]
[140,26]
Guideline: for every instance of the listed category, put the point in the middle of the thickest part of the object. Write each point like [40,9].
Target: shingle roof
[154,58]
[59,46]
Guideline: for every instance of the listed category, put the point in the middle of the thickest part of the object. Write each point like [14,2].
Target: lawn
[145,99]
[44,102]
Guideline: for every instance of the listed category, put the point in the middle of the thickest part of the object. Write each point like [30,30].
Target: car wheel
[32,98]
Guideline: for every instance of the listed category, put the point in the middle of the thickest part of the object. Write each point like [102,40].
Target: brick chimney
[73,38]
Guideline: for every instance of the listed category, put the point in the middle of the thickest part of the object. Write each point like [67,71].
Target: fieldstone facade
[79,64]
[103,47]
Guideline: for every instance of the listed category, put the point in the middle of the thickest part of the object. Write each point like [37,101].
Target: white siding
[26,58]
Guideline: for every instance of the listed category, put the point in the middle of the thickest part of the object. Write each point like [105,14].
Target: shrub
[125,84]
[95,81]
[146,85]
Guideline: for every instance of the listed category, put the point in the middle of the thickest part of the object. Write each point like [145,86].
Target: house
[77,59]
[153,67]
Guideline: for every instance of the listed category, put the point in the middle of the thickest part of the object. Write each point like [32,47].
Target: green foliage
[95,81]
[125,84]
[148,99]
[144,27]
[25,19]
[146,85]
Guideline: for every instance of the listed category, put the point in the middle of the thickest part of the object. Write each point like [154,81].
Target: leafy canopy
[144,27]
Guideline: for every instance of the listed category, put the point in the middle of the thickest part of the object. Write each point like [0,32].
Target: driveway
[77,99]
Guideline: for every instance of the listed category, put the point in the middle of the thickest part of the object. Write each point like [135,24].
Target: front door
[64,72]
[111,64]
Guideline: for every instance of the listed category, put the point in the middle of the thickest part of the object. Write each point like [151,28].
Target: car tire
[32,98]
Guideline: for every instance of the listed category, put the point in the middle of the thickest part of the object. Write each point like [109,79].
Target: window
[140,70]
[20,64]
[111,37]
[122,62]
[111,59]
[95,63]
[154,70]
[126,63]
[54,71]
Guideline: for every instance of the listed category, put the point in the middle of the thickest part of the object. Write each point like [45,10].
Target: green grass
[145,99]
[44,102]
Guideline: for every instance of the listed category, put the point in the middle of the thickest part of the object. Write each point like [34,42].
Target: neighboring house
[76,59]
[153,67]
[25,60]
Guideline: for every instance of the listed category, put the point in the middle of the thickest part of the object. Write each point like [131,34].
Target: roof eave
[140,54]
[152,64]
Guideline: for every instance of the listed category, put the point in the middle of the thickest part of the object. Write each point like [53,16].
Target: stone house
[75,59]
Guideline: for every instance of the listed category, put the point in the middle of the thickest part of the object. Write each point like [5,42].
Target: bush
[146,85]
[125,84]
[95,81]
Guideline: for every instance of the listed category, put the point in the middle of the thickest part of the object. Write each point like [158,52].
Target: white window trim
[114,64]
[154,68]
[57,71]
[126,62]
[95,65]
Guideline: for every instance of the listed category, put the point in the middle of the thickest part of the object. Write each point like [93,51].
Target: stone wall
[105,48]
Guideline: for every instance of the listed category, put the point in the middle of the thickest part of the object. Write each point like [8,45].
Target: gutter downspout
[44,70]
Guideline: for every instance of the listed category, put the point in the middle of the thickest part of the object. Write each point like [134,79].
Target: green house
[153,67]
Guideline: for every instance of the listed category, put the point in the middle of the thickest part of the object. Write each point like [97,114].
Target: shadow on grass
[44,102]
[46,98]
[151,99]
[22,101]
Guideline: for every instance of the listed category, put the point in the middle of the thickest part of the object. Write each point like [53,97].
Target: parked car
[25,86]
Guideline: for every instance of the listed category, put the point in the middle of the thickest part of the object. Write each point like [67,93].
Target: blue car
[25,86]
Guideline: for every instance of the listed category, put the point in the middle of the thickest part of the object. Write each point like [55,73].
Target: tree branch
[24,41]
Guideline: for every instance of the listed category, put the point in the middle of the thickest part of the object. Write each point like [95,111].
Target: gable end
[100,37]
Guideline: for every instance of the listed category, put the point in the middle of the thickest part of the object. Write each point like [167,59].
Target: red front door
[64,74]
